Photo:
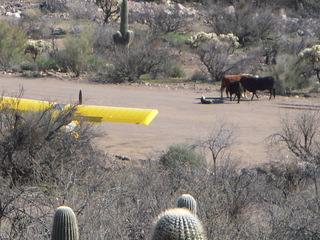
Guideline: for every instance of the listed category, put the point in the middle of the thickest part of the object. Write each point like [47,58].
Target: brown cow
[227,79]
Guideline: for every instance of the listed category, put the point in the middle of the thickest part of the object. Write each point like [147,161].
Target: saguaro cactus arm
[124,36]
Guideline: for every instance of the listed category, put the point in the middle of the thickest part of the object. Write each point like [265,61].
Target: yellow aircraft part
[89,113]
[24,104]
[115,114]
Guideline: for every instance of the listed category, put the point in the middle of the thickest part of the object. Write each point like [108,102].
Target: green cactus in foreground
[124,36]
[178,224]
[187,201]
[65,225]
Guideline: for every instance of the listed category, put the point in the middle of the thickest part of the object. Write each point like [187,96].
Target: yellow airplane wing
[89,113]
[24,104]
[115,114]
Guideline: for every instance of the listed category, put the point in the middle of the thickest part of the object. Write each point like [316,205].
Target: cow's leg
[252,95]
[274,93]
[239,95]
[244,94]
[222,89]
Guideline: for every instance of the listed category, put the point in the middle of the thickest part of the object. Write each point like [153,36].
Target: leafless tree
[163,20]
[214,56]
[218,140]
[242,19]
[301,137]
[110,8]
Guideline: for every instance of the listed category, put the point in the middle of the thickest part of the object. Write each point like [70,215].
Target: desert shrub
[53,6]
[176,71]
[291,74]
[164,18]
[28,66]
[32,142]
[115,200]
[248,23]
[45,63]
[35,26]
[83,10]
[146,55]
[199,75]
[77,54]
[103,41]
[181,154]
[12,41]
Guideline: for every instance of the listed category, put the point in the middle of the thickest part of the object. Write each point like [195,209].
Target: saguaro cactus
[178,224]
[124,36]
[187,201]
[65,225]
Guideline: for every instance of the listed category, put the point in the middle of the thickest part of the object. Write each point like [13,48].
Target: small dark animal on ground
[253,84]
[205,101]
[235,88]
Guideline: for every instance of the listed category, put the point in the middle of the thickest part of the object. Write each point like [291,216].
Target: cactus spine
[124,36]
[178,224]
[187,201]
[65,225]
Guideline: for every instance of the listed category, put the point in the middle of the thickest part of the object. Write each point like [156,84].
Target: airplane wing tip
[153,113]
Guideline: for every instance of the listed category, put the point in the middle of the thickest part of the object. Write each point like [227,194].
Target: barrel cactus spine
[188,202]
[124,36]
[178,224]
[65,226]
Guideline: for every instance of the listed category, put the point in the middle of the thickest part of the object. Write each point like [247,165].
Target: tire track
[299,106]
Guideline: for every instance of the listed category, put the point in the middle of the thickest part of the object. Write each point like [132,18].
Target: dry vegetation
[42,166]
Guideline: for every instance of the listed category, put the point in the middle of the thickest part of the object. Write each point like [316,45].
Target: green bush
[177,71]
[77,54]
[181,154]
[46,62]
[291,74]
[28,66]
[12,41]
[145,56]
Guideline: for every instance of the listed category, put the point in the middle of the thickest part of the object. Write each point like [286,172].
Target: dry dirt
[181,118]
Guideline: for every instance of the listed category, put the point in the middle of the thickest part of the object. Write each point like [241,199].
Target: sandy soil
[181,118]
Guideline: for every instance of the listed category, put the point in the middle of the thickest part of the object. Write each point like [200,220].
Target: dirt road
[181,118]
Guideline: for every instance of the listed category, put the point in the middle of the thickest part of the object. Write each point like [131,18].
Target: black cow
[235,88]
[253,84]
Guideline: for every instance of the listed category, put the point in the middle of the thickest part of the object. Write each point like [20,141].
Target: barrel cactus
[124,36]
[178,224]
[65,225]
[187,201]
